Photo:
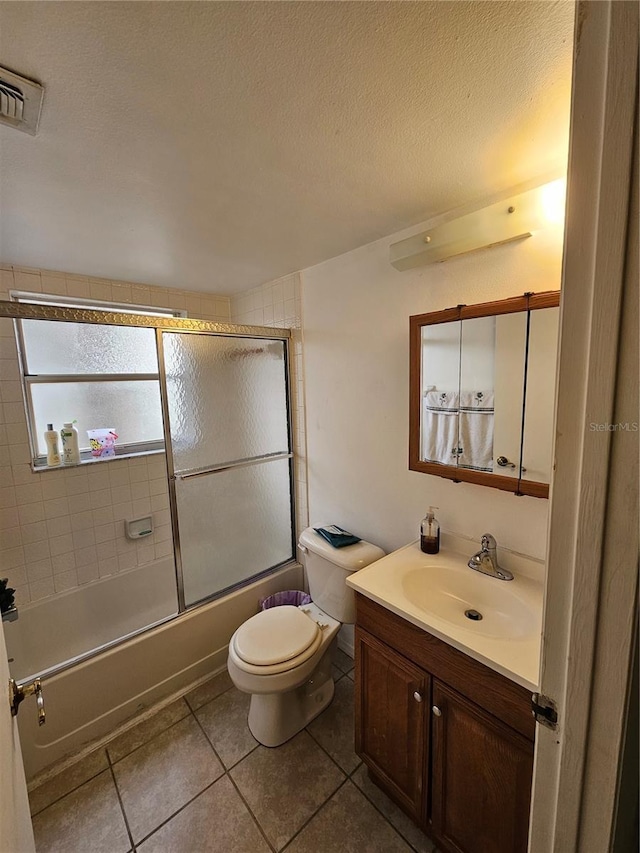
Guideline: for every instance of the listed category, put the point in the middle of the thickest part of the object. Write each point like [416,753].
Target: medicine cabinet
[482,389]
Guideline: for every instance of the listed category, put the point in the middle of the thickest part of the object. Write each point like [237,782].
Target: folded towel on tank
[336,536]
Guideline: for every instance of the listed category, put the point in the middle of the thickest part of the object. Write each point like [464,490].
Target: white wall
[356,310]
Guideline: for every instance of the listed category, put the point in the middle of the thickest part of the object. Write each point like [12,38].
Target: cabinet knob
[436,711]
[417,696]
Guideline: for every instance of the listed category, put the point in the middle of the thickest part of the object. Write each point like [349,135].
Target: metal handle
[238,463]
[436,711]
[503,462]
[42,716]
[417,696]
[17,693]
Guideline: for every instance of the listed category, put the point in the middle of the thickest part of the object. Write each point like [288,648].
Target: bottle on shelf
[53,451]
[430,533]
[70,444]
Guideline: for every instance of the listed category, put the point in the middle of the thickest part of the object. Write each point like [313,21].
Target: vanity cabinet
[481,778]
[447,738]
[392,721]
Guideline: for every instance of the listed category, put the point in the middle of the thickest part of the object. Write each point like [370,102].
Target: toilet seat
[275,641]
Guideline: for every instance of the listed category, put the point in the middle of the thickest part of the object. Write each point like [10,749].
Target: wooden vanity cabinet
[391,722]
[447,738]
[481,778]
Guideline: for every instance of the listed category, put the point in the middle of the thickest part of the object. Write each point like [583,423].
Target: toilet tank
[328,569]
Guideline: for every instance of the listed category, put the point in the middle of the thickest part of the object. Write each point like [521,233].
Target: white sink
[449,593]
[434,593]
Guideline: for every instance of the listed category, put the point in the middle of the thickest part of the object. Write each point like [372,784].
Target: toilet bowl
[282,656]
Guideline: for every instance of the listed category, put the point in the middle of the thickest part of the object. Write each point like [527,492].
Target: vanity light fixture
[514,218]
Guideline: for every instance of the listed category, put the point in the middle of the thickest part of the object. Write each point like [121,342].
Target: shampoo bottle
[53,453]
[430,533]
[70,445]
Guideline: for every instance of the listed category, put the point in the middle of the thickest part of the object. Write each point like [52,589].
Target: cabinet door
[481,782]
[392,701]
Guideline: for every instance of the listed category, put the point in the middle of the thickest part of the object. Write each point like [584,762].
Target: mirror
[482,393]
[537,452]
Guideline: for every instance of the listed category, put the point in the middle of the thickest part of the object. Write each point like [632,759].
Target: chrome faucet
[486,560]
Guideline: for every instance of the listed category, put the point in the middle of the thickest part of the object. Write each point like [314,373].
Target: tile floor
[192,779]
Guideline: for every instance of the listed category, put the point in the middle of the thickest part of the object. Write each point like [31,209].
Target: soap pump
[430,533]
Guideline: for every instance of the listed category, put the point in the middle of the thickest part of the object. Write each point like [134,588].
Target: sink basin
[434,592]
[447,592]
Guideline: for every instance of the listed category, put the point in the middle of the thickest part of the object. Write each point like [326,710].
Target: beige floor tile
[334,728]
[348,823]
[283,787]
[209,690]
[88,820]
[342,660]
[215,821]
[67,780]
[160,777]
[225,722]
[146,730]
[405,826]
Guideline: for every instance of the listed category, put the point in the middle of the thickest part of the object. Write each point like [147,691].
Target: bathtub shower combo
[221,396]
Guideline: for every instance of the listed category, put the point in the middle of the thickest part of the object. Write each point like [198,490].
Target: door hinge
[544,710]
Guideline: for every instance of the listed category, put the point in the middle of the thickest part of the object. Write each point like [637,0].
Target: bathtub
[68,625]
[94,695]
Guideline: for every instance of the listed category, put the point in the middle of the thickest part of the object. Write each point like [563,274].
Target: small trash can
[294,597]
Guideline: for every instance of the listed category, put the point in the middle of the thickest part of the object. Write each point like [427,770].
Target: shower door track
[64,314]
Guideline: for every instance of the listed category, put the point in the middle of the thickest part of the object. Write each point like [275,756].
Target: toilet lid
[275,635]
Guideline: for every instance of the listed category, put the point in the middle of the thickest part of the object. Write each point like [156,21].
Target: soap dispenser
[430,533]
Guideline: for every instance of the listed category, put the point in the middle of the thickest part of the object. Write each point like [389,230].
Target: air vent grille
[20,102]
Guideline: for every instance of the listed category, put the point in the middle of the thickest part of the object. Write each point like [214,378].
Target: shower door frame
[16,311]
[226,466]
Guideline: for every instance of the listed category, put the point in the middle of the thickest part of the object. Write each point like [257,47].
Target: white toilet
[282,656]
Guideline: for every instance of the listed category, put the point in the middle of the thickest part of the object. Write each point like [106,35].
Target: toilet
[282,656]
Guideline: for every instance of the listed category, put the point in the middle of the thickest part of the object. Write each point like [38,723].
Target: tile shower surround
[63,528]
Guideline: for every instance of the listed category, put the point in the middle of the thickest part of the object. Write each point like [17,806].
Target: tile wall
[203,306]
[60,529]
[279,304]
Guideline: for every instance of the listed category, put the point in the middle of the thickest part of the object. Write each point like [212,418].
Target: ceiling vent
[20,102]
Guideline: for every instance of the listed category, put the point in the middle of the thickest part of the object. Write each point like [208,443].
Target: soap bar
[336,536]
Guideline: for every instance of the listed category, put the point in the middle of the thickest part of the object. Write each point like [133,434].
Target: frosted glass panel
[233,524]
[63,348]
[227,398]
[131,408]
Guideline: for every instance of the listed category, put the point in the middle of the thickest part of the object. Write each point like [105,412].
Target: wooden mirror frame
[527,302]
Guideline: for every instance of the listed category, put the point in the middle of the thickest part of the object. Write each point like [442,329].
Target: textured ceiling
[217,145]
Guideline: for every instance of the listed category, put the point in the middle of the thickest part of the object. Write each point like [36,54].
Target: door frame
[591,588]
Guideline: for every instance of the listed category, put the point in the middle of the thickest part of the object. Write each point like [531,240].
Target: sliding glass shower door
[229,457]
